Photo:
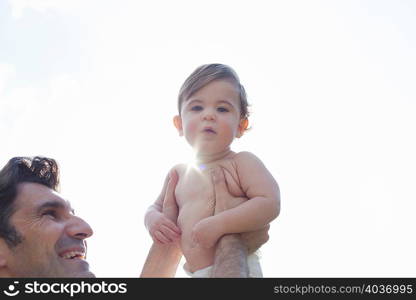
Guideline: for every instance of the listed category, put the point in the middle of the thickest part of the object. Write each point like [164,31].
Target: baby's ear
[177,121]
[242,127]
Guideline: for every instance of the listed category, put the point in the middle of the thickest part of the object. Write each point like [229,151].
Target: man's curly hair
[36,169]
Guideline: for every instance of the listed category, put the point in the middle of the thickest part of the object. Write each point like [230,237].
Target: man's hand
[224,200]
[162,225]
[168,231]
[170,207]
[163,260]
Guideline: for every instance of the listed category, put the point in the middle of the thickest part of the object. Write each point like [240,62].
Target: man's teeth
[73,254]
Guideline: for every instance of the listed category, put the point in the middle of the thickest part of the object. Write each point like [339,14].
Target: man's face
[53,238]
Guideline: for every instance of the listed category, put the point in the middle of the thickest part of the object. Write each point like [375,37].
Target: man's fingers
[170,208]
[222,195]
[170,189]
[220,187]
[255,239]
[218,180]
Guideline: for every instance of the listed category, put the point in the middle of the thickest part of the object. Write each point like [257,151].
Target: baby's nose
[209,115]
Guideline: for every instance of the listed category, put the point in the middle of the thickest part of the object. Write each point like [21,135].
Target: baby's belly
[196,257]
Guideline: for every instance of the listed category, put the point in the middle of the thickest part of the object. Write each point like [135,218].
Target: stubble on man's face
[42,219]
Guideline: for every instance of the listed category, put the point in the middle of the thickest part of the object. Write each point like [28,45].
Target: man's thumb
[218,179]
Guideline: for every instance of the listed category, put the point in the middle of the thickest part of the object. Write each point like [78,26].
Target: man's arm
[163,259]
[230,257]
[232,249]
[231,252]
[254,214]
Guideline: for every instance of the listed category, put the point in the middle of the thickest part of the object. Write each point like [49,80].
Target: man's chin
[87,274]
[77,268]
[79,274]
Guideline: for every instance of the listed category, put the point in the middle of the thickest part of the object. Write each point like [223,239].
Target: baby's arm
[262,206]
[161,228]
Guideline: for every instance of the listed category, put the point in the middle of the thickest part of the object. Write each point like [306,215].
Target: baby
[212,108]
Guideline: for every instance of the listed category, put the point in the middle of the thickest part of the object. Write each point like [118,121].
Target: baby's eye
[223,109]
[196,108]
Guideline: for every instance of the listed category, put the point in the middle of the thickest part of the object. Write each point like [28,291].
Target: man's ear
[177,121]
[242,127]
[2,261]
[3,249]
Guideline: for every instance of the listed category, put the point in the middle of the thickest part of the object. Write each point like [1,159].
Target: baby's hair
[206,74]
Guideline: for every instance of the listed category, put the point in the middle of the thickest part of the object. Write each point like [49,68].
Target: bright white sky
[332,87]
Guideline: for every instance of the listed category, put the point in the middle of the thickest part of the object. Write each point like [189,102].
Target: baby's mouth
[209,130]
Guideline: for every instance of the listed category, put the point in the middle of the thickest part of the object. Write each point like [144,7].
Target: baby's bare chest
[195,185]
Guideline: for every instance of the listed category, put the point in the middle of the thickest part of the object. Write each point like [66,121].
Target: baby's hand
[206,233]
[162,229]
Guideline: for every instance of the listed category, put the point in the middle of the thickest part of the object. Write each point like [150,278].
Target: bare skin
[210,119]
[230,261]
[163,259]
[53,242]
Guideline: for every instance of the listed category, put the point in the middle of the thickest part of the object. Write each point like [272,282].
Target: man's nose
[79,229]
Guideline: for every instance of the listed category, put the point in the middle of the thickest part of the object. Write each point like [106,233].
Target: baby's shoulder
[247,163]
[245,157]
[179,168]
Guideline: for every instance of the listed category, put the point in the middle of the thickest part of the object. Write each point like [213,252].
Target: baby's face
[210,118]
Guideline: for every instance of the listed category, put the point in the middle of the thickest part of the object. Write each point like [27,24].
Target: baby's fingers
[168,223]
[161,237]
[169,233]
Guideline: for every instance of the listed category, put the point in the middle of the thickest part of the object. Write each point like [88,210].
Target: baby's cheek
[191,127]
[229,132]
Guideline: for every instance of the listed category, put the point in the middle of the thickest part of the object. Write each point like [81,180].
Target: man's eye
[223,109]
[196,108]
[51,213]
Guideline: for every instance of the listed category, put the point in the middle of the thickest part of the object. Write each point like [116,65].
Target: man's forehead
[36,195]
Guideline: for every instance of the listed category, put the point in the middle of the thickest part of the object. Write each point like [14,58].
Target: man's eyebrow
[54,204]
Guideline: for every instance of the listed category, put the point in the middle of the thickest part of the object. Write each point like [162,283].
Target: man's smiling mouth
[79,254]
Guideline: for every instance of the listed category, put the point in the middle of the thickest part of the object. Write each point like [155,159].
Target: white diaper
[254,269]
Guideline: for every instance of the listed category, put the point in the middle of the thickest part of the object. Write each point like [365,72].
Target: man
[40,236]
